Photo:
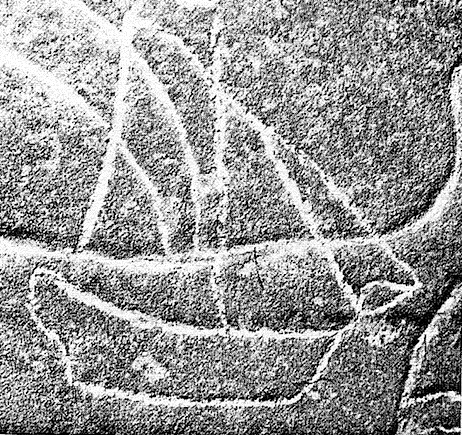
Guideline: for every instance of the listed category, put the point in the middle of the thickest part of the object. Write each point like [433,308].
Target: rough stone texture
[127,225]
[356,87]
[254,283]
[430,397]
[363,264]
[50,155]
[249,324]
[151,139]
[64,42]
[107,352]
[172,293]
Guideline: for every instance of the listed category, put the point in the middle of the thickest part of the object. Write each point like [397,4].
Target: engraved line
[222,177]
[165,99]
[440,429]
[407,293]
[444,197]
[154,193]
[218,291]
[431,431]
[419,351]
[436,211]
[87,107]
[451,430]
[115,135]
[176,402]
[443,200]
[55,87]
[385,308]
[304,208]
[52,336]
[171,401]
[221,120]
[161,94]
[100,391]
[267,135]
[148,322]
[28,249]
[192,4]
[324,363]
[385,283]
[293,191]
[452,396]
[159,264]
[341,196]
[194,60]
[330,243]
[338,193]
[63,92]
[98,197]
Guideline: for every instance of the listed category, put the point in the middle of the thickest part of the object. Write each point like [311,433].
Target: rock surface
[232,217]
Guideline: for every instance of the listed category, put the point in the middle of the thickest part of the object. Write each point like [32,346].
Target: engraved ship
[170,242]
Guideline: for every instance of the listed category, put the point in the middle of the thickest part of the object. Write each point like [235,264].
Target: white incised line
[60,91]
[55,88]
[322,367]
[332,346]
[147,322]
[438,208]
[268,137]
[172,115]
[435,212]
[160,93]
[338,194]
[452,430]
[440,203]
[266,134]
[442,429]
[186,265]
[191,4]
[222,177]
[419,351]
[443,199]
[140,321]
[450,396]
[116,142]
[99,195]
[324,362]
[303,207]
[162,225]
[159,263]
[114,138]
[52,336]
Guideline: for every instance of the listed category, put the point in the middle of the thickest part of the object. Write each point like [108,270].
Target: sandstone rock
[230,217]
